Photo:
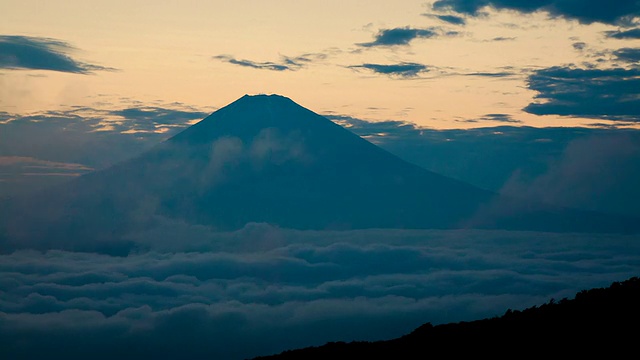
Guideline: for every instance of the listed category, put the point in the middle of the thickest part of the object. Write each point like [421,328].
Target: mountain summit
[264,158]
[249,114]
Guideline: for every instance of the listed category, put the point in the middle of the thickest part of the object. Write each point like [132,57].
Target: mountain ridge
[596,321]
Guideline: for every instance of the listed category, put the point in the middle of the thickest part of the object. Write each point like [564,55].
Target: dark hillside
[597,322]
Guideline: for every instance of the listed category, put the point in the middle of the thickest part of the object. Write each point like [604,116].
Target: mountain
[265,158]
[598,321]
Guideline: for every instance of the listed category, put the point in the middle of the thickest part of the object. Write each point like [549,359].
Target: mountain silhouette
[264,158]
[598,321]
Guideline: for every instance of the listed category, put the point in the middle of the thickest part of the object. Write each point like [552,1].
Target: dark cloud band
[36,53]
[451,19]
[403,70]
[404,35]
[628,34]
[596,93]
[620,12]
[630,55]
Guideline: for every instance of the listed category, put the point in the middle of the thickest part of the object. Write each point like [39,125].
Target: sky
[534,98]
[442,64]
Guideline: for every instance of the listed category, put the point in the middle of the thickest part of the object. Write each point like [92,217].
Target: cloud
[596,172]
[621,12]
[504,118]
[90,125]
[404,35]
[402,70]
[365,129]
[253,64]
[451,19]
[499,74]
[153,118]
[21,174]
[37,53]
[624,34]
[90,137]
[594,93]
[10,166]
[579,45]
[519,153]
[228,155]
[197,293]
[503,38]
[19,160]
[630,55]
[286,63]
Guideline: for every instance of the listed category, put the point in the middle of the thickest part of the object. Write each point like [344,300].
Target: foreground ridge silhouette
[597,322]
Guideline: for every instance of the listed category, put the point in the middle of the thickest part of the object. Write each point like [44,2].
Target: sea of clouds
[189,292]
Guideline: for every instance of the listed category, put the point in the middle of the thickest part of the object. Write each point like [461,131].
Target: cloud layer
[196,293]
[37,53]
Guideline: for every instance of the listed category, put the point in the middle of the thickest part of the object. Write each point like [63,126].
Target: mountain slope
[264,158]
[600,321]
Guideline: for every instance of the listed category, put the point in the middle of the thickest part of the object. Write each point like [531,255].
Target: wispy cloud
[254,64]
[404,35]
[13,169]
[624,34]
[503,38]
[621,12]
[502,118]
[451,19]
[498,74]
[594,171]
[152,118]
[286,63]
[37,53]
[630,55]
[579,45]
[402,70]
[41,164]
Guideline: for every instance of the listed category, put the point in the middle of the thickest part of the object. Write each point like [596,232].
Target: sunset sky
[266,228]
[443,64]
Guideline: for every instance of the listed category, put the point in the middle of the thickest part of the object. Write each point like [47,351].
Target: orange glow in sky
[321,54]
